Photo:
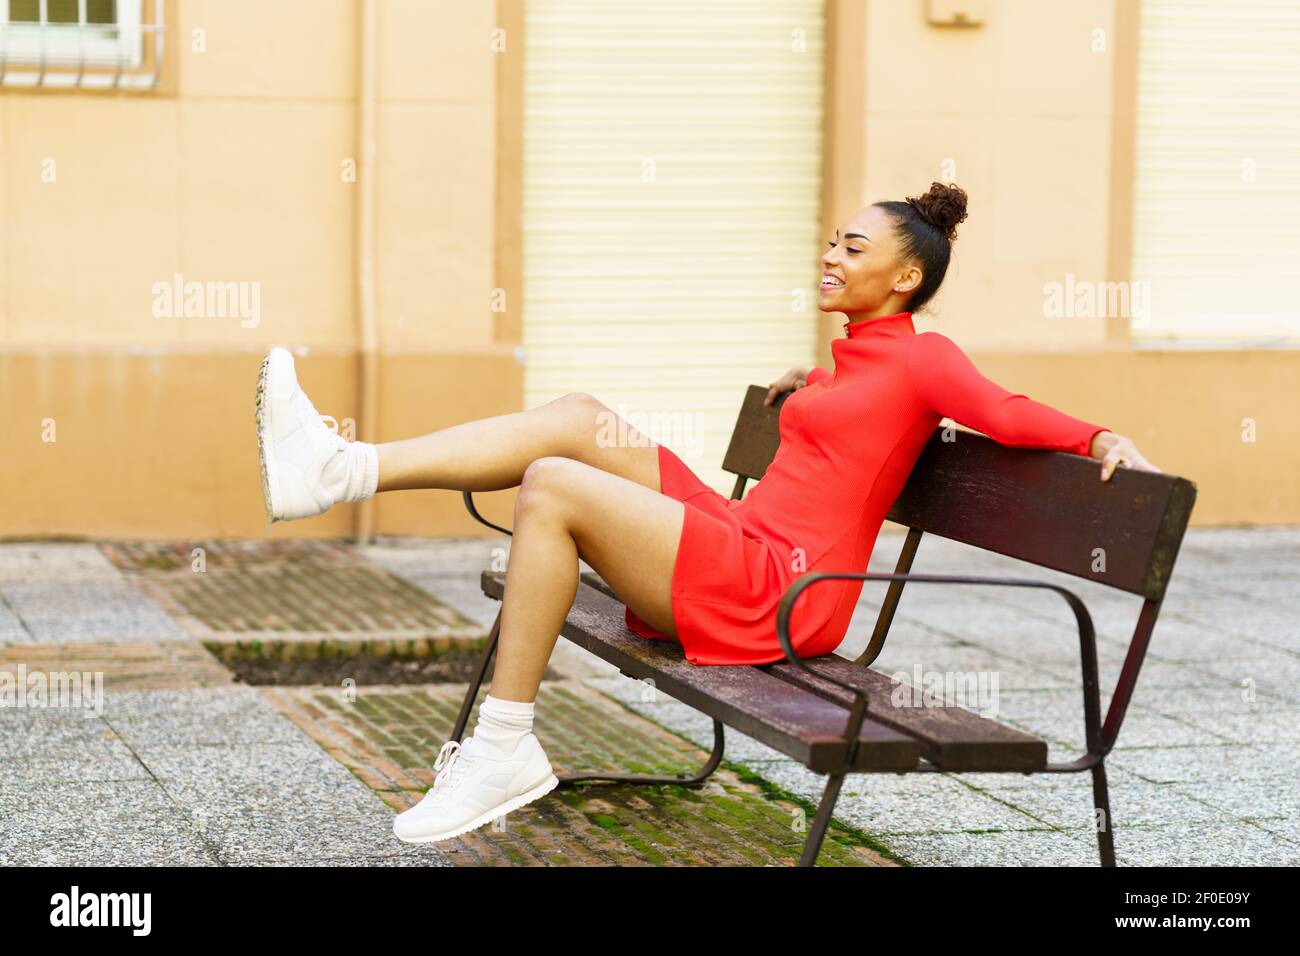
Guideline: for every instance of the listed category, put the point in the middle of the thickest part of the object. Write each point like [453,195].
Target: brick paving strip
[389,737]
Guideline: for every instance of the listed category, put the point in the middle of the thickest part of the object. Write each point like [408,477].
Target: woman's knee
[579,405]
[544,483]
[583,415]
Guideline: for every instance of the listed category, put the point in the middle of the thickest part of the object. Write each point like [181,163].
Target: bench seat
[792,712]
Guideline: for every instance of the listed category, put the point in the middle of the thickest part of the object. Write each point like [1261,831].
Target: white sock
[353,473]
[503,723]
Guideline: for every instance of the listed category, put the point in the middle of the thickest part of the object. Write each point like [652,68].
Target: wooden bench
[838,716]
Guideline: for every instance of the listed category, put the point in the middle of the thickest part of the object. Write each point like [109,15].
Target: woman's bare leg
[567,509]
[589,485]
[492,453]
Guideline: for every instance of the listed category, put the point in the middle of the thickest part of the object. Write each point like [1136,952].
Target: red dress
[848,443]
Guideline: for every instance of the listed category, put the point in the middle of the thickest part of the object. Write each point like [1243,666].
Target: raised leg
[492,453]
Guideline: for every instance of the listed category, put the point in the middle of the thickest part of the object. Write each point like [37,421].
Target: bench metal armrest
[473,513]
[1087,633]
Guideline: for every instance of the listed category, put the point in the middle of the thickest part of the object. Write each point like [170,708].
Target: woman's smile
[830,283]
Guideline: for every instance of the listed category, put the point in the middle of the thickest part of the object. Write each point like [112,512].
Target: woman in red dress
[692,566]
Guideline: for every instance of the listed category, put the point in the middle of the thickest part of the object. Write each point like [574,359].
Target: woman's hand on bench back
[791,381]
[1115,450]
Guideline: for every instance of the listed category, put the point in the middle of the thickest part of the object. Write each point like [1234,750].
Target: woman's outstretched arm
[950,385]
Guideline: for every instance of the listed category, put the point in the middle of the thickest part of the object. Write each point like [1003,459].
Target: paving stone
[11,626]
[1245,798]
[1284,828]
[931,804]
[439,558]
[35,732]
[281,800]
[70,592]
[1239,621]
[1220,697]
[1157,677]
[1132,803]
[1209,764]
[1275,595]
[1214,844]
[105,758]
[1178,639]
[67,610]
[1140,729]
[25,560]
[1258,724]
[1010,674]
[202,716]
[1273,676]
[299,768]
[84,823]
[1004,848]
[1015,781]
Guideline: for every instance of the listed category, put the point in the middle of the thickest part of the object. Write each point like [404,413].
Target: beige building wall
[238,170]
[1032,113]
[235,171]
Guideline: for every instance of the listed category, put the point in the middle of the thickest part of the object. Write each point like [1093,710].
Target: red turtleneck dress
[849,440]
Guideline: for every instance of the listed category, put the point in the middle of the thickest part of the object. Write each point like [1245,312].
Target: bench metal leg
[813,845]
[471,695]
[712,764]
[484,662]
[1101,819]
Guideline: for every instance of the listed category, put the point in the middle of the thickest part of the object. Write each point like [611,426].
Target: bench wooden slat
[954,738]
[756,437]
[1050,509]
[802,725]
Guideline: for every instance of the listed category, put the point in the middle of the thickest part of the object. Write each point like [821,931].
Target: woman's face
[862,274]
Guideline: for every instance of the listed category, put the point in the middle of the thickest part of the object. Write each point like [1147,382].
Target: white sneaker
[476,783]
[293,443]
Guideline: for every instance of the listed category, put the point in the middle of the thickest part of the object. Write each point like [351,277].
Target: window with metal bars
[89,43]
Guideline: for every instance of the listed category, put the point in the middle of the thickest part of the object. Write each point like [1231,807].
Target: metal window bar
[60,54]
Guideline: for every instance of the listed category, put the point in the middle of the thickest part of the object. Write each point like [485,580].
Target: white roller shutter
[671,207]
[1217,193]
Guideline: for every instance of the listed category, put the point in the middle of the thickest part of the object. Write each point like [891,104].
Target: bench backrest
[1048,508]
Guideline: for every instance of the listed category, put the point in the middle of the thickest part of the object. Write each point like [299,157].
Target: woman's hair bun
[944,206]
